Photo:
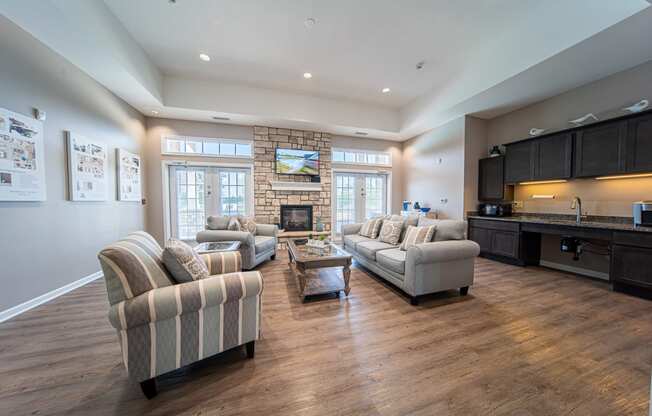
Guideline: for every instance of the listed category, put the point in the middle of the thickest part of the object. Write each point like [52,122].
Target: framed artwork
[22,158]
[87,168]
[129,188]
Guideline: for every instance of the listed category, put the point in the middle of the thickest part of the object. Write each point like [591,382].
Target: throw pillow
[183,263]
[390,233]
[371,227]
[247,224]
[217,223]
[234,224]
[417,235]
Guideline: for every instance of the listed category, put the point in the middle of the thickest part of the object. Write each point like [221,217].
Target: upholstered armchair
[163,326]
[255,248]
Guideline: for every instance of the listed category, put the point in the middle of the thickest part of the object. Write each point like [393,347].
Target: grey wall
[47,245]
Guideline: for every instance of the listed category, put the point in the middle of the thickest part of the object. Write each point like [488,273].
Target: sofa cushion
[183,262]
[392,259]
[351,240]
[371,227]
[264,243]
[217,222]
[417,235]
[391,232]
[446,229]
[369,249]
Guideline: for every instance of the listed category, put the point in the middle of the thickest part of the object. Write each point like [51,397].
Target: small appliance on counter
[495,210]
[643,213]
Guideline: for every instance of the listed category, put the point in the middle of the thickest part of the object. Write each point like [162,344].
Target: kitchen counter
[608,223]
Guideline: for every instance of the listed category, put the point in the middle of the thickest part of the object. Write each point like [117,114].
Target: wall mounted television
[297,162]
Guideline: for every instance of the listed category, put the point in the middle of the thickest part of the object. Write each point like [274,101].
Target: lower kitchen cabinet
[496,237]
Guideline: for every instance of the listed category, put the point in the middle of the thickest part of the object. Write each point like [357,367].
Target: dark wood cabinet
[553,157]
[600,150]
[519,164]
[498,238]
[481,236]
[631,266]
[491,180]
[505,243]
[639,144]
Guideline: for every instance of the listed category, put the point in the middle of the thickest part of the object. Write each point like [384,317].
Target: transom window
[204,146]
[361,157]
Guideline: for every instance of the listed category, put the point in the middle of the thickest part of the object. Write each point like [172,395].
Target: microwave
[643,213]
[495,210]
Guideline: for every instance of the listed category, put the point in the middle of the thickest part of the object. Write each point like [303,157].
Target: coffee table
[217,246]
[319,271]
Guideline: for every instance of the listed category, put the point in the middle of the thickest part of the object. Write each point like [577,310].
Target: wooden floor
[524,342]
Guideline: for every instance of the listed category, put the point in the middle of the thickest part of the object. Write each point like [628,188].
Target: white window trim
[165,175]
[165,138]
[368,151]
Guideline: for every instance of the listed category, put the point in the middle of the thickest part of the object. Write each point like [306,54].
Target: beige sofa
[445,263]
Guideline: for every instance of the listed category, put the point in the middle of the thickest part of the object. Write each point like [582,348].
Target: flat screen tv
[297,162]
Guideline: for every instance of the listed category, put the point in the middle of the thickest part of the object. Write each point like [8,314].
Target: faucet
[577,205]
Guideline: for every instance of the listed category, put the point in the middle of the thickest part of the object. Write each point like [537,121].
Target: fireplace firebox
[296,217]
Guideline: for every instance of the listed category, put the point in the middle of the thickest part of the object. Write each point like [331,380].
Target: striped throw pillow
[417,235]
[371,227]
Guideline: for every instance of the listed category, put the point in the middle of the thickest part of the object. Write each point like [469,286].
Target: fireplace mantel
[295,186]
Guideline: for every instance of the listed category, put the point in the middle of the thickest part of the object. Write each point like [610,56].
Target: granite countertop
[609,223]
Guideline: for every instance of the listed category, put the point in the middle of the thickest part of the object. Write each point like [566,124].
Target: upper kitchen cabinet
[519,162]
[600,150]
[639,144]
[553,157]
[491,180]
[545,158]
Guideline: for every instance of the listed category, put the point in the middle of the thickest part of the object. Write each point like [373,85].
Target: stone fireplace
[296,217]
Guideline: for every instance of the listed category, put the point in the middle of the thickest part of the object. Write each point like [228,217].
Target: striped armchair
[163,326]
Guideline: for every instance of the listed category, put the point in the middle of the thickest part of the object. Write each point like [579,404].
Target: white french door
[358,196]
[197,192]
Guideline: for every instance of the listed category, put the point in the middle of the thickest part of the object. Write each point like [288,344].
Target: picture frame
[87,168]
[129,183]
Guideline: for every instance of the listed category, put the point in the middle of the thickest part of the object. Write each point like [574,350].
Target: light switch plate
[518,204]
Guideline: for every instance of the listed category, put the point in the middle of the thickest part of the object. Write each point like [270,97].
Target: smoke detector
[420,65]
[309,22]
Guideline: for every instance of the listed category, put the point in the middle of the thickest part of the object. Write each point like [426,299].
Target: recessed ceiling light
[204,57]
[307,75]
[155,112]
[385,90]
[221,118]
[309,22]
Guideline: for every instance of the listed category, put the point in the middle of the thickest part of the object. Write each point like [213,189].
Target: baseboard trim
[46,297]
[576,270]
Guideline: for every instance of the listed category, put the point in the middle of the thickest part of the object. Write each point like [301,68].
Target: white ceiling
[476,52]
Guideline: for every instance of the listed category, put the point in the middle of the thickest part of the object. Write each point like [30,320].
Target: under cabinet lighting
[638,175]
[535,196]
[542,182]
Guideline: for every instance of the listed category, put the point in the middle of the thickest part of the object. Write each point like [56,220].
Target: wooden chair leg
[149,388]
[251,349]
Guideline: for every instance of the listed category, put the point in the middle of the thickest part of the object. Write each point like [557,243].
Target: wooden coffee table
[319,271]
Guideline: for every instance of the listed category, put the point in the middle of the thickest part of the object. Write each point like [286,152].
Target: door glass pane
[374,196]
[344,200]
[232,192]
[190,203]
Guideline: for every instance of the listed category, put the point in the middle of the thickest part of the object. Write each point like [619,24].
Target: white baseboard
[576,270]
[53,294]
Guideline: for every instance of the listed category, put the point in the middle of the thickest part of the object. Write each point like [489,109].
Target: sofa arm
[269,230]
[209,236]
[223,262]
[348,229]
[441,251]
[186,298]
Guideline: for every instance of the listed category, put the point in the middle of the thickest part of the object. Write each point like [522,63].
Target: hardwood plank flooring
[524,342]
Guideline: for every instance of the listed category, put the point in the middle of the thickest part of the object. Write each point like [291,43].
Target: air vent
[361,133]
[221,118]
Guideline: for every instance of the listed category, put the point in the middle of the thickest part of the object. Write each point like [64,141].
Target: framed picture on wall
[22,158]
[87,168]
[128,168]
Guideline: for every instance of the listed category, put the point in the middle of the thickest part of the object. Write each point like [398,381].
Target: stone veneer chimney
[267,203]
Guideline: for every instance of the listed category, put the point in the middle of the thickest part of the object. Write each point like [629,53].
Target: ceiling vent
[221,118]
[361,133]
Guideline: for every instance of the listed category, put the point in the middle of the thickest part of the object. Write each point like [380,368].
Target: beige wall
[475,148]
[46,245]
[394,148]
[433,169]
[604,98]
[160,127]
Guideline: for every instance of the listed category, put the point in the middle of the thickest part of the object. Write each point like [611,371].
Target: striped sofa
[163,326]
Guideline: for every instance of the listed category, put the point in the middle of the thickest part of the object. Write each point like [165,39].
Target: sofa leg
[273,257]
[414,300]
[149,388]
[464,290]
[251,349]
